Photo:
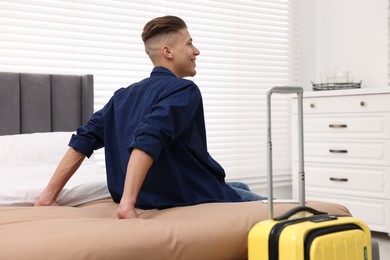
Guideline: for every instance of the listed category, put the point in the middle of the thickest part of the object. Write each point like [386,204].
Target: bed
[38,113]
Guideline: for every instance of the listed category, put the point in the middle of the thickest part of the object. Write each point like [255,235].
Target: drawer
[347,126]
[366,152]
[348,180]
[345,104]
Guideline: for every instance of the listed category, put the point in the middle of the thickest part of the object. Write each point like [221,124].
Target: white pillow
[37,147]
[27,162]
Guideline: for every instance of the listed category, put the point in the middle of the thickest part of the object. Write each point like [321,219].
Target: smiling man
[154,135]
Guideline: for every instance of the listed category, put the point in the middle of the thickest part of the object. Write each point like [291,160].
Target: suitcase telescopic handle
[299,92]
[285,90]
[296,210]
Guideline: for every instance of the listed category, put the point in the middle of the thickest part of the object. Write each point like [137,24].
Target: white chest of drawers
[347,151]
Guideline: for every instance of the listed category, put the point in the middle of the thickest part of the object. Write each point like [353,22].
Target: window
[246,47]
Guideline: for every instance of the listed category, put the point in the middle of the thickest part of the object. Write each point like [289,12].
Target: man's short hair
[162,25]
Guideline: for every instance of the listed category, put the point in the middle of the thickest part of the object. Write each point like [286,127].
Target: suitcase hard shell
[319,236]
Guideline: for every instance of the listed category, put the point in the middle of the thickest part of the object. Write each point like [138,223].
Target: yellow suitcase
[316,237]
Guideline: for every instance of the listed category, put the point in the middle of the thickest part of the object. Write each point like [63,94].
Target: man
[154,134]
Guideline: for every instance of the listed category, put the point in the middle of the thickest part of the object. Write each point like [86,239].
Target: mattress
[92,231]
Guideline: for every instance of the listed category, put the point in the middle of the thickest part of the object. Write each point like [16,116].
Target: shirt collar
[161,70]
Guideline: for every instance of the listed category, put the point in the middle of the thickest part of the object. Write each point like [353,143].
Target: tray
[335,86]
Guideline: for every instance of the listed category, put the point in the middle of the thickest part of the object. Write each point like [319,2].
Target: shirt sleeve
[169,117]
[89,137]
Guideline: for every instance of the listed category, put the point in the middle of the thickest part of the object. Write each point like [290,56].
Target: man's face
[184,54]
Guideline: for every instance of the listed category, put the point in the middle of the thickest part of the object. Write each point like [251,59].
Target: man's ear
[167,52]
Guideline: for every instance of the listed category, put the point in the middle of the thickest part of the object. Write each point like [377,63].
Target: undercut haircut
[161,26]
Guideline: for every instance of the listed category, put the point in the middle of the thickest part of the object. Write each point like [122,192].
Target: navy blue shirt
[163,116]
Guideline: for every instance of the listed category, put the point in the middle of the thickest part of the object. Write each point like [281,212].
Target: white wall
[344,32]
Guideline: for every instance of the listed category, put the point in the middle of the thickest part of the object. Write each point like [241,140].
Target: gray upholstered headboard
[32,103]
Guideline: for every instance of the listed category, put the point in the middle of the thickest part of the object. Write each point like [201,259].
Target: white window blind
[246,47]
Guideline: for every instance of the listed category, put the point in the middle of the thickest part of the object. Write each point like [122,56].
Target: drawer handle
[338,179]
[337,151]
[338,126]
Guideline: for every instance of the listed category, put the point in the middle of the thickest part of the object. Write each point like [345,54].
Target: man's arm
[64,171]
[137,168]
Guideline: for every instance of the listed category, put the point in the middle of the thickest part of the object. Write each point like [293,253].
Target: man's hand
[65,169]
[137,168]
[126,212]
[44,202]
